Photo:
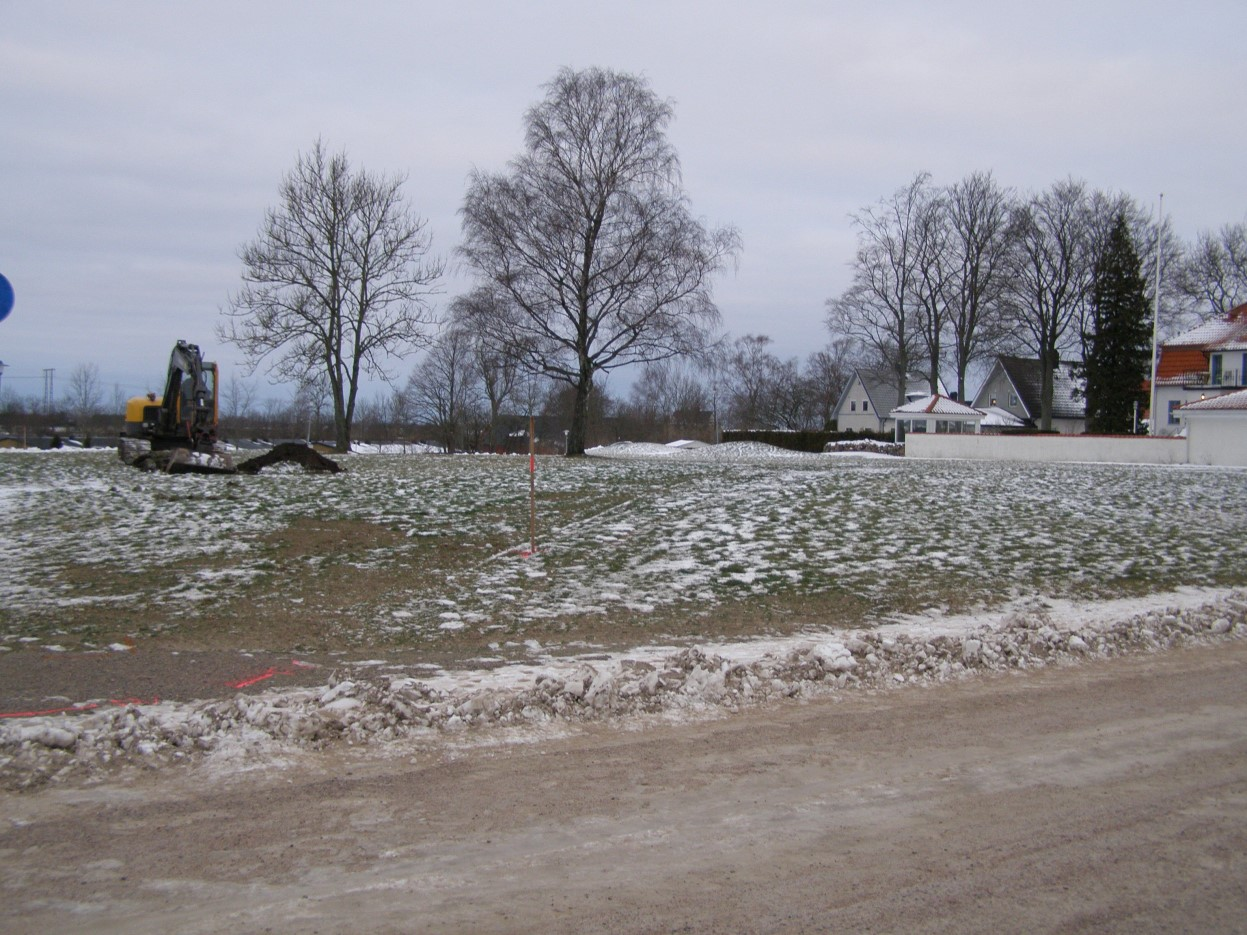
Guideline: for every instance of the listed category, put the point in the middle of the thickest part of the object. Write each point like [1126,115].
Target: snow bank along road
[373,702]
[1109,796]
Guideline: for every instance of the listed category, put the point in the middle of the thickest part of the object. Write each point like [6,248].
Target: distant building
[936,415]
[1014,385]
[867,402]
[1205,362]
[1217,429]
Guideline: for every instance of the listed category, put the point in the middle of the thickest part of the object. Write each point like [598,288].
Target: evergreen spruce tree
[1120,347]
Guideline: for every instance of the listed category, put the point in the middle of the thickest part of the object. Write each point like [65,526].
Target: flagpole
[1160,217]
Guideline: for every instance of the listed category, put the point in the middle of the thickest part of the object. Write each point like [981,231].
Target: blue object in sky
[6,298]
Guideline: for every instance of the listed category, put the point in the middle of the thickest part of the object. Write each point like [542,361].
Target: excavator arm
[188,411]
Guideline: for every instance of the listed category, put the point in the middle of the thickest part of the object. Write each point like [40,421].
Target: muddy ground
[45,681]
[1109,796]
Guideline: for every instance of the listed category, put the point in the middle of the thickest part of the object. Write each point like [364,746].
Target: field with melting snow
[661,580]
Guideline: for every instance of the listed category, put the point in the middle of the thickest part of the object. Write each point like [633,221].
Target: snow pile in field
[865,446]
[389,707]
[638,450]
[728,452]
[725,452]
[395,448]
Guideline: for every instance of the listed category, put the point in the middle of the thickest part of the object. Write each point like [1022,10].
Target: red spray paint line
[269,673]
[125,702]
[78,708]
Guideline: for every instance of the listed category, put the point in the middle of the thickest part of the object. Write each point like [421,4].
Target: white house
[1015,384]
[1216,429]
[1207,361]
[866,403]
[936,415]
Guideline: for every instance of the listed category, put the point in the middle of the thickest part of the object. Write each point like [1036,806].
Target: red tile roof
[1187,353]
[1179,361]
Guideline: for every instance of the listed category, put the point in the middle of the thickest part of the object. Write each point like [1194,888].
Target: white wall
[1217,437]
[1142,450]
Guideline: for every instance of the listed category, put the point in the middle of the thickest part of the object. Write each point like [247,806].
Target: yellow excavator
[177,432]
[185,417]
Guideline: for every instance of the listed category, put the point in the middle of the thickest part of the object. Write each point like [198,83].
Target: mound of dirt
[290,452]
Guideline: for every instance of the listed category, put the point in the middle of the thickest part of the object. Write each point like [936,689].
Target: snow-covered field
[926,570]
[675,536]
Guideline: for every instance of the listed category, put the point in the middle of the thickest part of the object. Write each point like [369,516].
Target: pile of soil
[292,453]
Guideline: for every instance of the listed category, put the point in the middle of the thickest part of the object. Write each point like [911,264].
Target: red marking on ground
[270,672]
[78,708]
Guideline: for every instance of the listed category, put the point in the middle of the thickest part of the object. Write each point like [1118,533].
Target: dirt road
[1108,797]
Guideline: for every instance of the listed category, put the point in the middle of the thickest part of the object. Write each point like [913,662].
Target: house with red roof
[1205,362]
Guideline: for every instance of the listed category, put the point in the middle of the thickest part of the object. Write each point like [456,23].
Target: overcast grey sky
[143,141]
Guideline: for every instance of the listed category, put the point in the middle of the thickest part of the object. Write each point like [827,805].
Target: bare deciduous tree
[1050,276]
[497,364]
[748,367]
[978,246]
[827,373]
[443,389]
[879,309]
[1214,275]
[85,394]
[590,235]
[238,394]
[934,274]
[337,279]
[669,399]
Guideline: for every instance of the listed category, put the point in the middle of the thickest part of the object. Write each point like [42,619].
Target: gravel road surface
[1105,797]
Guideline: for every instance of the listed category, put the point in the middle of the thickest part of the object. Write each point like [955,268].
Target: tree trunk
[1047,364]
[341,425]
[902,384]
[580,415]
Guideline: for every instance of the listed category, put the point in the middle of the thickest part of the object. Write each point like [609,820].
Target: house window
[1013,399]
[865,406]
[852,405]
[1173,411]
[993,402]
[1215,378]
